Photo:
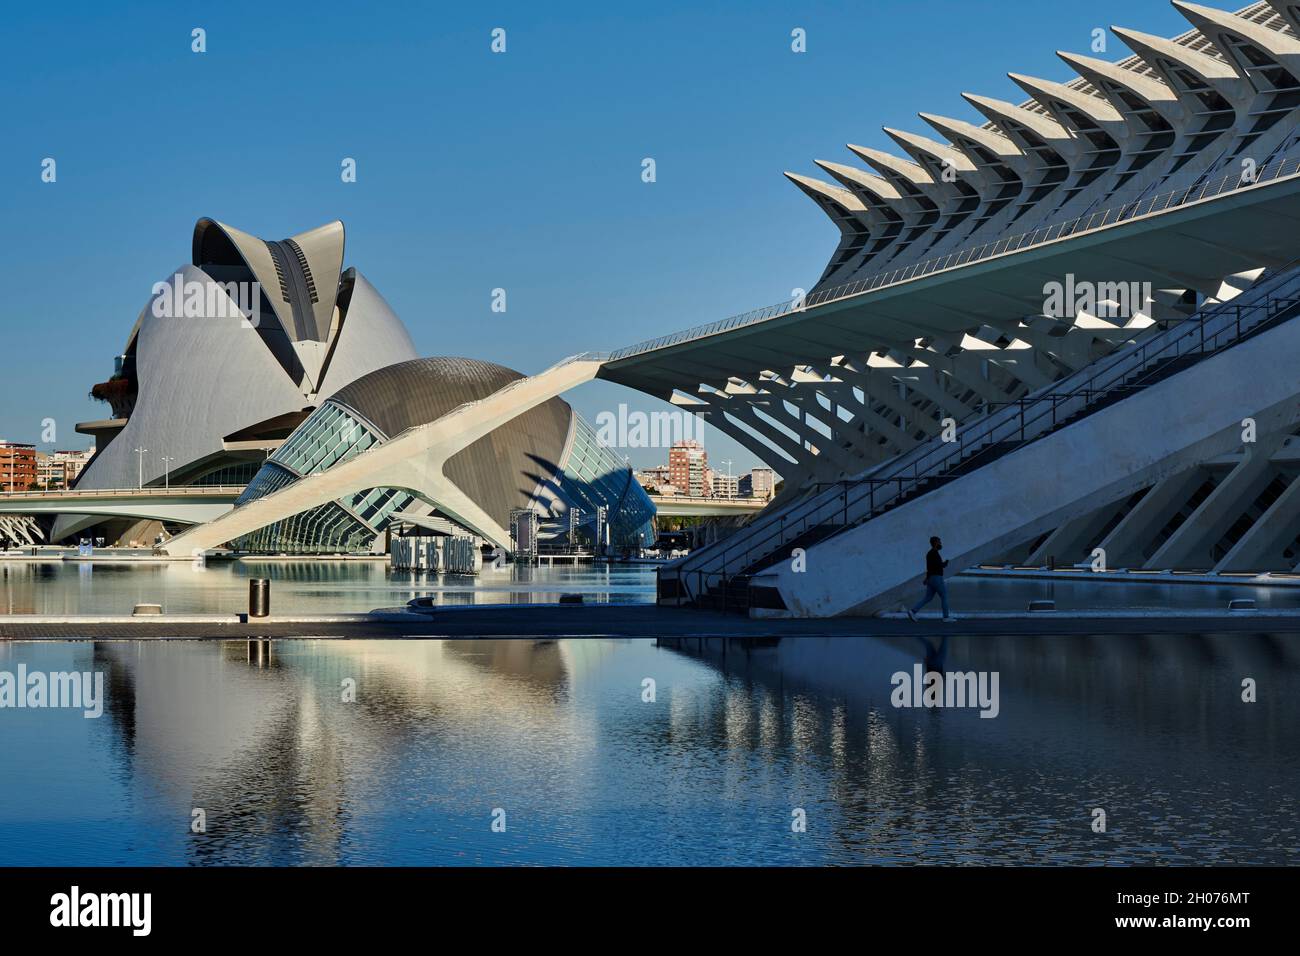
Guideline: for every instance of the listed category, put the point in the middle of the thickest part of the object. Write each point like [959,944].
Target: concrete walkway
[1239,579]
[625,621]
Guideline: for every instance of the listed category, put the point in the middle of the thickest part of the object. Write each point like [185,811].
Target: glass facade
[330,435]
[590,477]
[240,473]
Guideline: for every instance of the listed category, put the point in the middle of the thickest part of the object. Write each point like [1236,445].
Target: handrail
[694,499]
[1103,218]
[1138,357]
[124,492]
[1019,419]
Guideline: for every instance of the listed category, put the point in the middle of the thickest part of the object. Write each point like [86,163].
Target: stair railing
[844,503]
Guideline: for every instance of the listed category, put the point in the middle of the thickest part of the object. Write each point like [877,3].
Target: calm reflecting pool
[297,586]
[321,586]
[559,741]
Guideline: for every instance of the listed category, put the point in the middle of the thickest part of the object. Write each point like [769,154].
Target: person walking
[934,582]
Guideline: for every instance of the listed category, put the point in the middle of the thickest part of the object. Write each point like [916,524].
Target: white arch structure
[412,461]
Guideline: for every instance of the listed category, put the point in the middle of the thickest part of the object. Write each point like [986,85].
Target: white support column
[1074,541]
[804,397]
[1261,548]
[1128,542]
[1190,545]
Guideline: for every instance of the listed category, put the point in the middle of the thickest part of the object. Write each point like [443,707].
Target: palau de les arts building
[323,372]
[1063,328]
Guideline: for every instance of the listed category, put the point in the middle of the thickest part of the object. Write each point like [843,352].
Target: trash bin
[259,597]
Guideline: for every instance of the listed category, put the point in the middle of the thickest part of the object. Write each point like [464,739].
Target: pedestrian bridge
[198,504]
[179,504]
[683,506]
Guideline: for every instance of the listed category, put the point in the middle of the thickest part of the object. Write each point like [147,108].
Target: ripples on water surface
[1150,728]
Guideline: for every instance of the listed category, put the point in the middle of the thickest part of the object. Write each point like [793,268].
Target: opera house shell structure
[256,351]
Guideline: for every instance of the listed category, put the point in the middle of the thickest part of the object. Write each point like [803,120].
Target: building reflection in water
[312,587]
[442,732]
[1152,727]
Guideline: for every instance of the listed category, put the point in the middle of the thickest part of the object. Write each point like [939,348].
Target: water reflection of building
[260,737]
[1153,727]
[312,587]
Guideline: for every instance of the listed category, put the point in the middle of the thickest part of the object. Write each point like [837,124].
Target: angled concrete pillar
[928,384]
[882,385]
[1190,545]
[745,410]
[1125,544]
[812,413]
[853,435]
[1022,364]
[716,416]
[967,371]
[1261,548]
[1073,542]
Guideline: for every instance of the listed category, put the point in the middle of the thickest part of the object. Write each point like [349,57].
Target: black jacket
[934,564]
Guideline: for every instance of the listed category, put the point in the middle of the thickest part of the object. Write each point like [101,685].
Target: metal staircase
[718,576]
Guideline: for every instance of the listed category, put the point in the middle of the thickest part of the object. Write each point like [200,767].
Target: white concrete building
[1021,285]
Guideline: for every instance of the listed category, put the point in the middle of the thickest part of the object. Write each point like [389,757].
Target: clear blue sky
[475,170]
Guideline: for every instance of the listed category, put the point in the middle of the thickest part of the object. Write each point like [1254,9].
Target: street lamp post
[140,475]
[167,471]
[727,462]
